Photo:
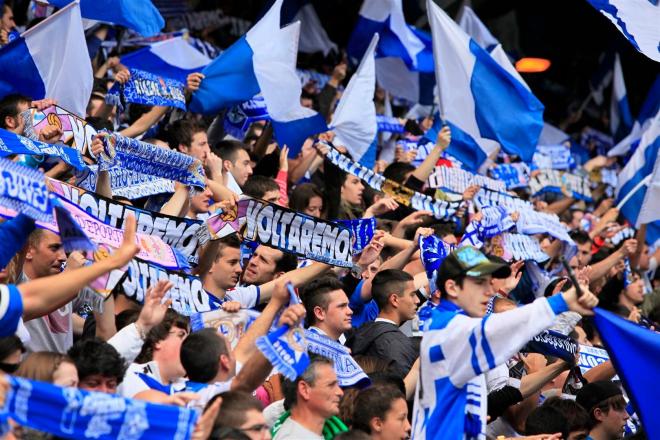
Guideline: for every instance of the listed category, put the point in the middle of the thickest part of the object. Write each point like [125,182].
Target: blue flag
[139,15]
[635,353]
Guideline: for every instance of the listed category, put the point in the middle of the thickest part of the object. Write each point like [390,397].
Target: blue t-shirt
[362,312]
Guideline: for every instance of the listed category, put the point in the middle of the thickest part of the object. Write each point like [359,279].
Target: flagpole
[637,187]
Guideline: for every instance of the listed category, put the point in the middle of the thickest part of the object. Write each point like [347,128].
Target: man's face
[226,270]
[198,148]
[323,397]
[613,422]
[15,124]
[338,315]
[7,22]
[395,424]
[261,268]
[408,302]
[97,382]
[168,351]
[47,257]
[241,168]
[255,426]
[371,270]
[473,297]
[584,254]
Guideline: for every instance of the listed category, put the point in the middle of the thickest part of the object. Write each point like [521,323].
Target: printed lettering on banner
[76,132]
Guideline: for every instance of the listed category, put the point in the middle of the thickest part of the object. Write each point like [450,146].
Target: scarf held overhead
[284,229]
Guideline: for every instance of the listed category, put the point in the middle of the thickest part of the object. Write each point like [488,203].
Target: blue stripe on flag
[229,80]
[293,133]
[15,57]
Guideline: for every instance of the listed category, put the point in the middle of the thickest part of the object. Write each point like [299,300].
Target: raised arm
[42,295]
[297,277]
[426,168]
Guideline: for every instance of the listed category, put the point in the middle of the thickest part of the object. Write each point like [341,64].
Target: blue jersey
[456,351]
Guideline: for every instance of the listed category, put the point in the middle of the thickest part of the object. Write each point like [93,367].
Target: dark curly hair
[94,356]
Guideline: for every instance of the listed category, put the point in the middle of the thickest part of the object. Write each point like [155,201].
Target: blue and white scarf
[514,175]
[134,155]
[239,118]
[555,344]
[149,89]
[523,247]
[555,181]
[556,157]
[286,350]
[458,180]
[389,124]
[349,373]
[231,325]
[11,143]
[24,190]
[75,413]
[433,252]
[363,231]
[126,183]
[441,209]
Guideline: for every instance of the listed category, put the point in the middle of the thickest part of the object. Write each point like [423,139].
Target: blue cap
[11,309]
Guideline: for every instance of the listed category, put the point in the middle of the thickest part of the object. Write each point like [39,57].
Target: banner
[441,209]
[75,413]
[591,357]
[239,118]
[518,247]
[188,294]
[458,180]
[76,132]
[231,325]
[389,124]
[152,248]
[178,232]
[283,229]
[11,143]
[134,155]
[286,350]
[126,183]
[24,190]
[486,197]
[148,89]
[559,181]
[514,175]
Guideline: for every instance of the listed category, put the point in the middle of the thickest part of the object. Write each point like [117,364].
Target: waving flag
[650,108]
[650,210]
[637,20]
[470,23]
[139,15]
[173,58]
[480,97]
[634,177]
[404,64]
[264,60]
[354,120]
[621,120]
[50,60]
[635,352]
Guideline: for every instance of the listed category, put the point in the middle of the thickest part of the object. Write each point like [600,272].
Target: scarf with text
[11,143]
[362,229]
[552,343]
[148,89]
[289,231]
[125,183]
[239,118]
[24,190]
[561,182]
[458,180]
[441,209]
[514,175]
[75,413]
[134,155]
[178,232]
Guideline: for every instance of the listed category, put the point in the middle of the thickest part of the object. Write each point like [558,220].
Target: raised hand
[154,308]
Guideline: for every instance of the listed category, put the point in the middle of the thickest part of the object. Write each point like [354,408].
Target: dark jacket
[386,341]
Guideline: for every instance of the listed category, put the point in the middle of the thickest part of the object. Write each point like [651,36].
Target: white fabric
[474,27]
[393,75]
[313,37]
[618,93]
[178,53]
[248,296]
[61,37]
[454,66]
[354,121]
[650,210]
[503,60]
[551,135]
[640,18]
[274,61]
[127,342]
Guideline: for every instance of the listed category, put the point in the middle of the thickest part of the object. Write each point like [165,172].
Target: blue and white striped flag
[50,60]
[264,60]
[637,20]
[478,96]
[621,121]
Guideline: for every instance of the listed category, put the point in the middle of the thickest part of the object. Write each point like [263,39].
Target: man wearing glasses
[461,342]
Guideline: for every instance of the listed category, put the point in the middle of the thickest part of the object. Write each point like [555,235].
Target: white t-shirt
[248,296]
[134,381]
